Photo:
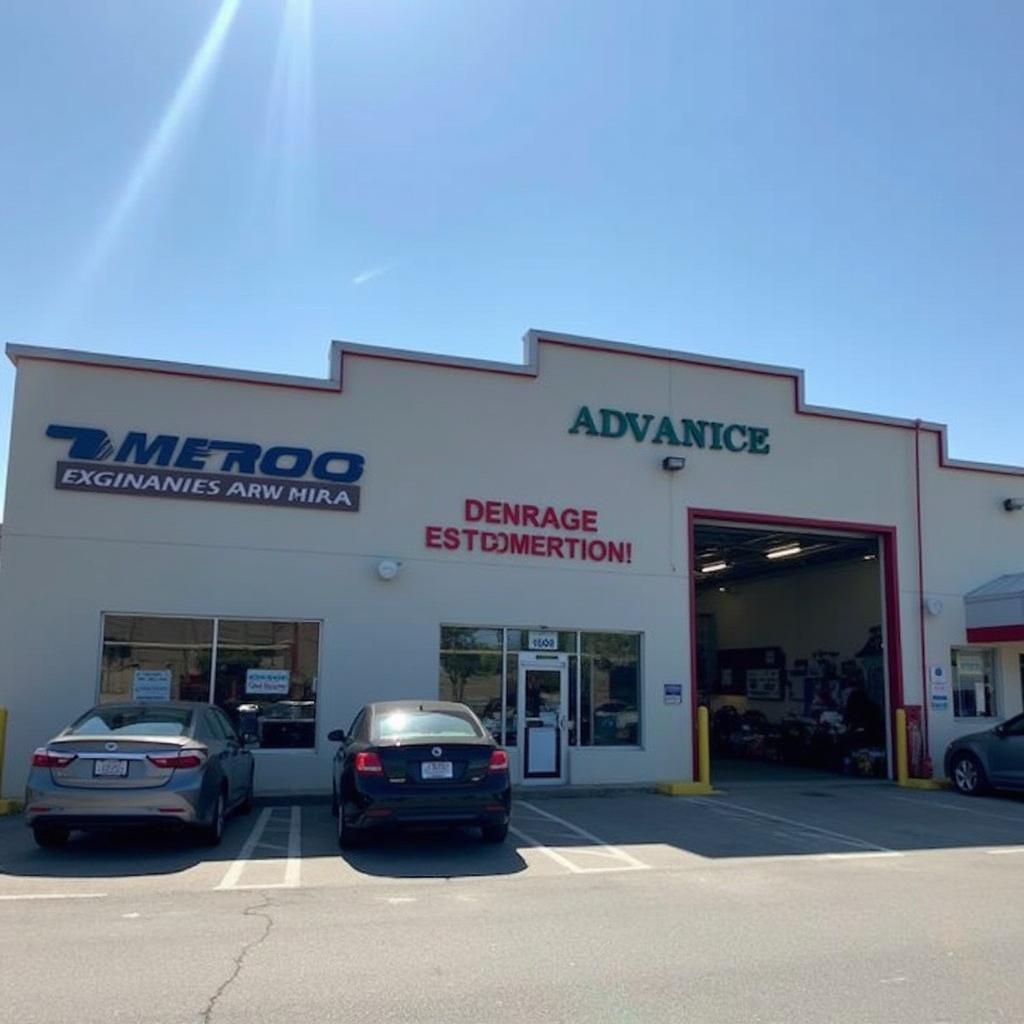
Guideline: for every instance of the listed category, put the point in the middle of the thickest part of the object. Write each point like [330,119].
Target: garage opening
[790,650]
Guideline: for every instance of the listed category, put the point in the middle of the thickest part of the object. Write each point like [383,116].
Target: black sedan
[418,763]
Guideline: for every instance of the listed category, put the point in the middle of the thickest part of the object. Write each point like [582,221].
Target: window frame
[209,702]
[993,653]
[576,684]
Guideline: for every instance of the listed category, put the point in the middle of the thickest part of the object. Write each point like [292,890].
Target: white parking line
[547,851]
[862,844]
[626,861]
[1009,849]
[56,896]
[946,806]
[293,861]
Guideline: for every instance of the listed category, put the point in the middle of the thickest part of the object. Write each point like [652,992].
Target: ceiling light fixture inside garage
[788,551]
[714,567]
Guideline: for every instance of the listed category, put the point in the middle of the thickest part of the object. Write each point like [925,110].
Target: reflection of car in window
[616,719]
[287,723]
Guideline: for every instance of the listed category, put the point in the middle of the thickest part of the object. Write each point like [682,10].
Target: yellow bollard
[703,747]
[701,785]
[6,806]
[902,772]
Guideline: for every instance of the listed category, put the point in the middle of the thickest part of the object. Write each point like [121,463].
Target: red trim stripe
[995,634]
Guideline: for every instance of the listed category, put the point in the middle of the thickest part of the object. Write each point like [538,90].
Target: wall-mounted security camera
[387,568]
[1013,504]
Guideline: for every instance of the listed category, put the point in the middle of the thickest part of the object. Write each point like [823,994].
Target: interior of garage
[790,656]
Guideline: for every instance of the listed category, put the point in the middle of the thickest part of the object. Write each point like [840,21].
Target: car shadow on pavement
[115,854]
[433,853]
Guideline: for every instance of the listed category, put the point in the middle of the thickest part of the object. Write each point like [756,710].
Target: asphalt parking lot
[620,903]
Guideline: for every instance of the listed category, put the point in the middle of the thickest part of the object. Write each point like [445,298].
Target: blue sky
[833,186]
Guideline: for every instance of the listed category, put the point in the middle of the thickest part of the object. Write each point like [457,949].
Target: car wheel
[348,837]
[968,775]
[50,836]
[494,833]
[214,832]
[245,807]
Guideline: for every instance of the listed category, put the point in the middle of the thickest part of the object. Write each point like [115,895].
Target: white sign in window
[151,684]
[543,641]
[265,682]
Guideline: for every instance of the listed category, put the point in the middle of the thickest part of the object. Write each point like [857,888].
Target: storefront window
[610,689]
[603,684]
[266,680]
[155,658]
[263,672]
[974,683]
[470,672]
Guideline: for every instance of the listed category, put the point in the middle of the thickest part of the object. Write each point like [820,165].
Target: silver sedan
[141,764]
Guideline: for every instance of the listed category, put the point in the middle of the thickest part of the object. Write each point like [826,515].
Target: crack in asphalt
[256,910]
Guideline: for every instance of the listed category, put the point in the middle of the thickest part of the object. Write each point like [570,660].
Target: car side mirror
[1000,731]
[336,736]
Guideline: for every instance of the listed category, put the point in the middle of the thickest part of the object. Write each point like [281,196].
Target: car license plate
[437,769]
[110,767]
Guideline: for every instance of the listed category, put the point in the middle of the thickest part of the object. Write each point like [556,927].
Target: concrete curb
[10,807]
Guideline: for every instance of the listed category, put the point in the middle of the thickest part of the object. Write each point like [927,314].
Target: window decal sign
[204,469]
[151,684]
[261,682]
[541,531]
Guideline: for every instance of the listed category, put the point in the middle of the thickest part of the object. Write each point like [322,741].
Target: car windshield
[428,725]
[133,722]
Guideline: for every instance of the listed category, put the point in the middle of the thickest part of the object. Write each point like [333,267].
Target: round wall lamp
[387,568]
[933,606]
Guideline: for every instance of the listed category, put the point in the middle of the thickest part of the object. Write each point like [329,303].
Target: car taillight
[368,763]
[499,761]
[191,759]
[42,758]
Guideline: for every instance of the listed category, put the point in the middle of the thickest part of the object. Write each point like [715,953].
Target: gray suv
[137,765]
[992,759]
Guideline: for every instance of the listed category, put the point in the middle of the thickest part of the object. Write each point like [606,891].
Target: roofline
[529,367]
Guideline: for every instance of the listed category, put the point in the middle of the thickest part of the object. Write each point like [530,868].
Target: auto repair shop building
[582,547]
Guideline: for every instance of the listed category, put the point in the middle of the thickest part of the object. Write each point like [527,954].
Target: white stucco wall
[433,436]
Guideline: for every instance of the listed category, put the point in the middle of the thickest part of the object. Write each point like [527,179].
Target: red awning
[995,612]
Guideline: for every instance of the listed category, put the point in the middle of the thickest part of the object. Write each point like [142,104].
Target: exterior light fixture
[387,569]
[1013,504]
[714,567]
[786,552]
[870,558]
[673,463]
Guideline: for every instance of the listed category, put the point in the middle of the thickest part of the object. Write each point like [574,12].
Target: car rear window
[425,725]
[133,722]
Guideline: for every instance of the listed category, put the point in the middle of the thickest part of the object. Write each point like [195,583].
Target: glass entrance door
[543,711]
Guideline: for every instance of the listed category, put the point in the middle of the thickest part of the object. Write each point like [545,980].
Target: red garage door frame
[893,636]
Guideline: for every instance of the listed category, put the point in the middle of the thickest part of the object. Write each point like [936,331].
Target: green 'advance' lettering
[666,433]
[585,422]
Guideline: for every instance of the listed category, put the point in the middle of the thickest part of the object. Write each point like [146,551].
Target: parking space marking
[546,850]
[625,861]
[814,830]
[1009,849]
[946,806]
[269,821]
[55,896]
